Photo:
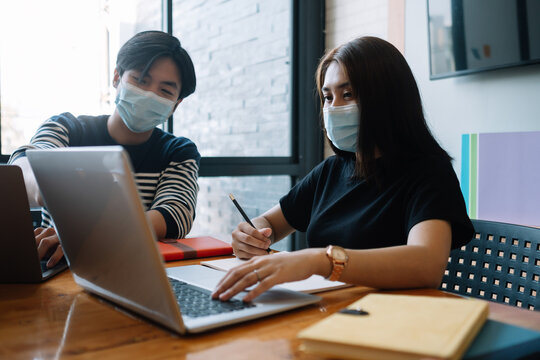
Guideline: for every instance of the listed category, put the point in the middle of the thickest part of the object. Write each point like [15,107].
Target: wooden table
[58,319]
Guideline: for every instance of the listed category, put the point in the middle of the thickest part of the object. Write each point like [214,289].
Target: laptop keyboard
[197,302]
[43,264]
[44,267]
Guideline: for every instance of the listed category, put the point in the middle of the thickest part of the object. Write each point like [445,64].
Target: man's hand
[48,245]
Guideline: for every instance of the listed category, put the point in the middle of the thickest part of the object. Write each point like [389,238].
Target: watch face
[339,254]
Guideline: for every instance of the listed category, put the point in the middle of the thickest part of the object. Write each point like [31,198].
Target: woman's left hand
[268,271]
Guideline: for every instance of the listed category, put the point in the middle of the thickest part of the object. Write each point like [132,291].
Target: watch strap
[337,266]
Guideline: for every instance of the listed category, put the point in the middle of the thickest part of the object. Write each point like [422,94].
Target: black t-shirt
[333,208]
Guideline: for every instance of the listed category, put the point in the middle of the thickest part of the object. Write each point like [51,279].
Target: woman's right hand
[264,272]
[248,242]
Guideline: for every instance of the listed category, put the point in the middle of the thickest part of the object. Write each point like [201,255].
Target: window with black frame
[254,115]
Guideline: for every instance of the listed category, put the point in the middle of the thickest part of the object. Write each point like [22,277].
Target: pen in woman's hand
[244,215]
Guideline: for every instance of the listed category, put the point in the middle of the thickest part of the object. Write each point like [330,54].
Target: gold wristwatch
[339,258]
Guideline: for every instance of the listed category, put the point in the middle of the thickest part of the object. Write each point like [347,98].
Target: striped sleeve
[51,134]
[176,197]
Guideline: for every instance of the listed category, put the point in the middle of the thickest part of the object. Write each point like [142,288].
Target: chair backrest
[501,263]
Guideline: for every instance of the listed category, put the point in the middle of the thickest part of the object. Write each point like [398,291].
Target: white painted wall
[498,101]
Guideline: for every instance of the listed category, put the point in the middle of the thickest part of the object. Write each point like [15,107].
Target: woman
[385,210]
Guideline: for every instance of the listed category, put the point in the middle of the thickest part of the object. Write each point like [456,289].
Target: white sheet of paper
[313,284]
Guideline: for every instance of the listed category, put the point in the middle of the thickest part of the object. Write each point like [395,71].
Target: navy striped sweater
[166,167]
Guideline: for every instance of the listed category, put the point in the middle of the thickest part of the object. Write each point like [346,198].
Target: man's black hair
[140,52]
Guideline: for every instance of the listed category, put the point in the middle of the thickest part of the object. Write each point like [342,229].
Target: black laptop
[19,261]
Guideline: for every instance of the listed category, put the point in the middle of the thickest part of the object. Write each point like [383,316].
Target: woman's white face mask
[341,124]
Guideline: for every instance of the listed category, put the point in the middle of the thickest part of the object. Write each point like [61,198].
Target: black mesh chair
[501,263]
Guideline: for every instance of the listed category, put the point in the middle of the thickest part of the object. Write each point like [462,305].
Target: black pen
[244,215]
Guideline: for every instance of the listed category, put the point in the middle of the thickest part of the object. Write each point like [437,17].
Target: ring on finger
[257,275]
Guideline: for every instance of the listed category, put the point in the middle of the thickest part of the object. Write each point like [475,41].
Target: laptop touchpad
[199,275]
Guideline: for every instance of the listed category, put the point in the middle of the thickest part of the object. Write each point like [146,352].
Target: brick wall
[216,214]
[346,20]
[241,51]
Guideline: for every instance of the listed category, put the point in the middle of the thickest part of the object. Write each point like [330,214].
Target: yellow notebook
[398,327]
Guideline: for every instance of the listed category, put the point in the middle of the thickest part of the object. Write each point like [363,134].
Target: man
[153,75]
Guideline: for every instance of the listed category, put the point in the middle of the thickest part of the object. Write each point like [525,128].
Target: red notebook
[196,247]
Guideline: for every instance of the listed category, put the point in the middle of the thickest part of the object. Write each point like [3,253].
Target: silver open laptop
[112,252]
[19,261]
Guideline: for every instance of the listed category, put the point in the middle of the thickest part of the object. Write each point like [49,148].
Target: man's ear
[116,78]
[177,103]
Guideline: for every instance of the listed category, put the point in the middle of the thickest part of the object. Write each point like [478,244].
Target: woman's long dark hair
[391,114]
